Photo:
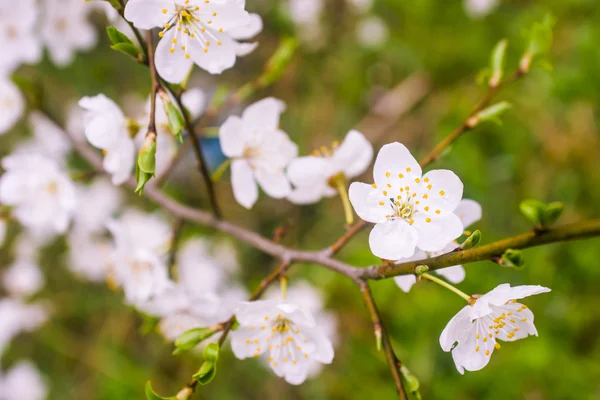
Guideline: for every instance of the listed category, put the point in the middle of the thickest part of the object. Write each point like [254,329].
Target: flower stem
[283,282]
[446,285]
[340,185]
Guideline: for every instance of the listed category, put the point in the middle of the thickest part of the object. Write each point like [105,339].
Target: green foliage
[146,163]
[208,369]
[150,395]
[542,215]
[192,338]
[512,258]
[473,240]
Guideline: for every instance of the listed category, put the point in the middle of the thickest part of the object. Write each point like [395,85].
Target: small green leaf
[174,118]
[493,112]
[540,36]
[206,373]
[147,155]
[551,213]
[497,63]
[116,36]
[235,324]
[151,395]
[471,241]
[533,210]
[421,269]
[512,258]
[127,48]
[211,352]
[411,383]
[190,339]
[279,61]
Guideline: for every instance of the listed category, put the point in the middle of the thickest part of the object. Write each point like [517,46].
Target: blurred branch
[471,121]
[381,336]
[155,85]
[579,230]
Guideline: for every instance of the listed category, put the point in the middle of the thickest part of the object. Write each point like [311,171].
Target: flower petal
[369,203]
[231,138]
[244,186]
[172,66]
[308,171]
[455,329]
[469,212]
[226,15]
[394,162]
[354,155]
[441,190]
[436,232]
[455,274]
[147,14]
[405,282]
[275,184]
[215,58]
[195,101]
[393,240]
[249,30]
[243,49]
[264,113]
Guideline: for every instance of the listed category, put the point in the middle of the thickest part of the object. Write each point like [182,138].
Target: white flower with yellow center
[319,175]
[19,42]
[194,31]
[469,212]
[260,152]
[494,316]
[409,209]
[286,334]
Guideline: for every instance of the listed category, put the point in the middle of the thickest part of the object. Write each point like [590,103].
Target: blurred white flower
[141,241]
[260,151]
[2,230]
[42,194]
[301,292]
[469,212]
[409,209]
[361,6]
[314,176]
[48,139]
[288,334]
[494,316]
[194,32]
[480,8]
[23,382]
[98,202]
[90,256]
[106,129]
[19,42]
[372,32]
[12,104]
[306,12]
[18,317]
[66,29]
[23,278]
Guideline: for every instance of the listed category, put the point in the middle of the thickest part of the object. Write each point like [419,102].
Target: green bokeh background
[546,148]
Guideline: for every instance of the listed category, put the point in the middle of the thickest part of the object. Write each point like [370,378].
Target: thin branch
[175,240]
[580,230]
[382,335]
[155,85]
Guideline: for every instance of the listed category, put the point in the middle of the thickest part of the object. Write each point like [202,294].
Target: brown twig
[382,335]
[155,85]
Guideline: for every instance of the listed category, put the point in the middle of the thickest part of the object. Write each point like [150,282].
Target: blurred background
[422,58]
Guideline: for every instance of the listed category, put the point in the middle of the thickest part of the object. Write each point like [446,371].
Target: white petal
[308,171]
[104,121]
[393,240]
[147,14]
[275,184]
[436,232]
[307,194]
[503,293]
[226,15]
[172,67]
[218,58]
[443,189]
[455,274]
[394,160]
[405,282]
[264,114]
[244,187]
[13,105]
[253,312]
[367,202]
[195,101]
[455,329]
[231,138]
[249,30]
[243,49]
[354,155]
[469,212]
[473,354]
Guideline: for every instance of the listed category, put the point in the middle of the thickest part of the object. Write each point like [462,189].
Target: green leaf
[411,383]
[151,395]
[551,213]
[471,241]
[279,61]
[127,48]
[190,339]
[492,113]
[211,352]
[117,36]
[540,36]
[513,258]
[206,373]
[174,118]
[235,324]
[533,210]
[497,63]
[147,155]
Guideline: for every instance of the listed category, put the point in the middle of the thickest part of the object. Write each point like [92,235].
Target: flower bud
[146,162]
[471,241]
[497,63]
[421,269]
[551,213]
[513,259]
[174,118]
[533,210]
[411,383]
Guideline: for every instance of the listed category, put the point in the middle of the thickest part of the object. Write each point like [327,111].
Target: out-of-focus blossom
[23,382]
[469,212]
[18,317]
[19,43]
[306,12]
[106,129]
[194,32]
[314,177]
[48,139]
[12,104]
[494,316]
[260,151]
[42,194]
[66,29]
[409,209]
[3,228]
[23,278]
[480,8]
[140,243]
[372,32]
[361,6]
[285,333]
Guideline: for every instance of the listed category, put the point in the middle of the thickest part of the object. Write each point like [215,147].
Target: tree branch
[381,334]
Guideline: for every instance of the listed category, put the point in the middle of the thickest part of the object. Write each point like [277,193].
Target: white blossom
[479,8]
[194,31]
[409,209]
[494,316]
[286,334]
[18,317]
[372,32]
[138,256]
[66,29]
[23,278]
[19,43]
[42,195]
[23,382]
[48,139]
[12,105]
[314,176]
[361,6]
[106,129]
[3,228]
[469,212]
[306,12]
[260,151]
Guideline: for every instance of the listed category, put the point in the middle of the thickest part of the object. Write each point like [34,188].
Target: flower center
[191,23]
